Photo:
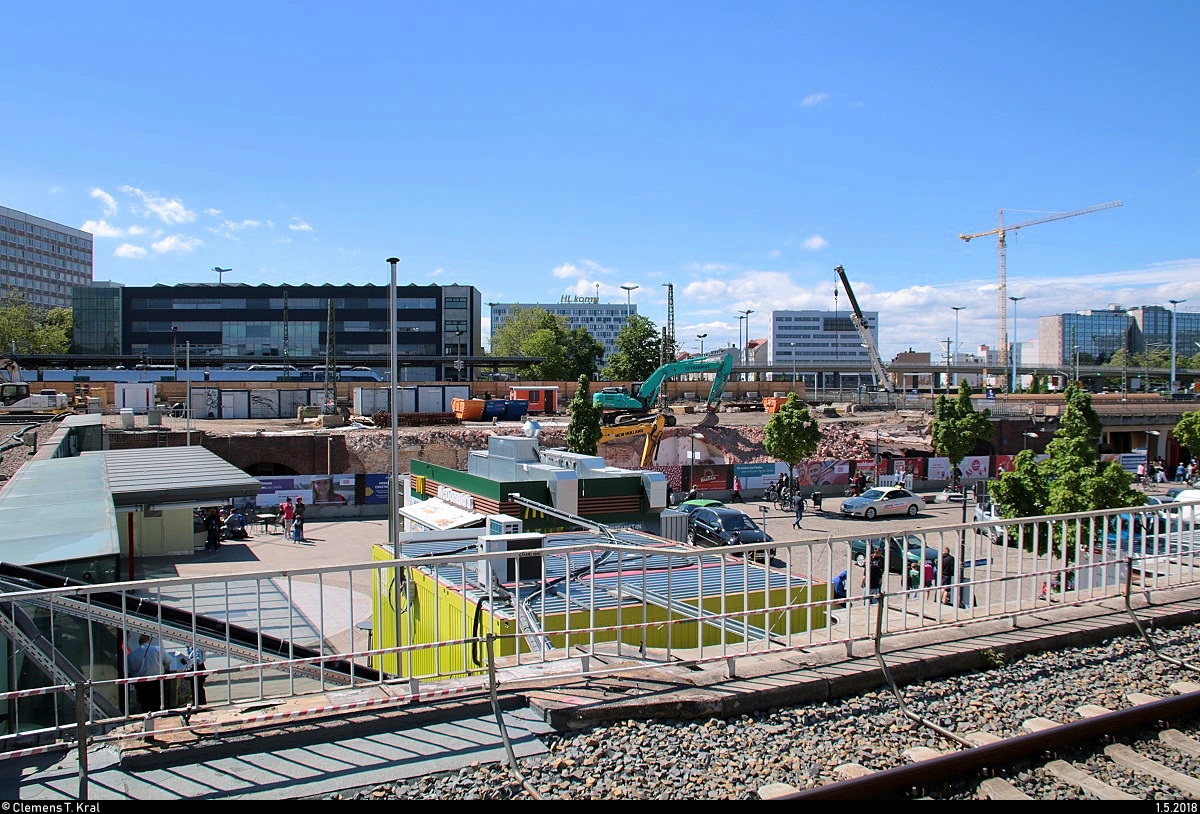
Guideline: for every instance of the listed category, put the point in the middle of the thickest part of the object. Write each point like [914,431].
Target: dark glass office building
[220,323]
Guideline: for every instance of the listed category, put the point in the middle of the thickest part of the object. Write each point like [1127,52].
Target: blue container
[516,410]
[494,408]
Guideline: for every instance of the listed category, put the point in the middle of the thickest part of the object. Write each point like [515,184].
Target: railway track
[1148,750]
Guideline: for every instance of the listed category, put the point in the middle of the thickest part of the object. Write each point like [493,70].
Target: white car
[883,500]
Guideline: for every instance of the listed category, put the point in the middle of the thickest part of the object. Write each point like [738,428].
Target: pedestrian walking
[298,521]
[873,579]
[287,511]
[947,575]
[146,661]
[737,490]
[798,506]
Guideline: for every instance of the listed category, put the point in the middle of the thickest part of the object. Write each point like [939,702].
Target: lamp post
[956,309]
[1173,323]
[701,337]
[1075,351]
[1024,439]
[175,354]
[393,489]
[692,460]
[628,290]
[458,363]
[1012,350]
[745,345]
[741,347]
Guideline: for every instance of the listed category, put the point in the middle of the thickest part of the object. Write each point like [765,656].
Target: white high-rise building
[41,259]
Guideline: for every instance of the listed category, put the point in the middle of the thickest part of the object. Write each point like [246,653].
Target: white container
[127,417]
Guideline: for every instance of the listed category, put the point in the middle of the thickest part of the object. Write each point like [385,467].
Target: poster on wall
[376,491]
[975,467]
[709,477]
[825,472]
[757,476]
[326,490]
[909,466]
[1004,463]
[939,469]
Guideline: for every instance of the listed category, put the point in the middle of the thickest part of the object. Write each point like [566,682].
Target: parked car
[690,506]
[988,511]
[901,550]
[883,500]
[715,526]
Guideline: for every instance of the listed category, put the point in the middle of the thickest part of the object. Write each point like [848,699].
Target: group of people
[291,517]
[1156,472]
[225,523]
[148,661]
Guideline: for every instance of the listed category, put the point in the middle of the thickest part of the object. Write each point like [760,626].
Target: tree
[957,428]
[1071,479]
[792,434]
[1187,432]
[567,353]
[583,432]
[583,354]
[31,329]
[636,357]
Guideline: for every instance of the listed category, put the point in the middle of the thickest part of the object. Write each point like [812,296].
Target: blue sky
[739,151]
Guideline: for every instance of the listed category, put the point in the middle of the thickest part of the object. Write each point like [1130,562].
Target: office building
[1093,337]
[820,346]
[437,325]
[41,259]
[602,320]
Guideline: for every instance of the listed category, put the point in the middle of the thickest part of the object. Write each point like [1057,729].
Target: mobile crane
[621,406]
[864,334]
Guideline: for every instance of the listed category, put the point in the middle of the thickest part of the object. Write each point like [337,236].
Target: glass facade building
[218,321]
[1099,334]
[43,260]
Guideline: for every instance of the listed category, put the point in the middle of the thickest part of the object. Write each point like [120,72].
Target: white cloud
[176,244]
[297,225]
[101,228]
[106,200]
[129,250]
[213,212]
[709,268]
[567,271]
[166,210]
[437,272]
[813,99]
[815,242]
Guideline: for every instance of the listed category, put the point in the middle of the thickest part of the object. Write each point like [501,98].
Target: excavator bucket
[710,419]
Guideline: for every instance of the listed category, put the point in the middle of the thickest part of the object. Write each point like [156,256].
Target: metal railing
[580,605]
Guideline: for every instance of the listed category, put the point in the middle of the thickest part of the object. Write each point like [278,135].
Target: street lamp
[1026,435]
[692,461]
[1173,323]
[628,289]
[1012,351]
[1075,351]
[745,345]
[701,338]
[175,355]
[458,363]
[956,309]
[741,322]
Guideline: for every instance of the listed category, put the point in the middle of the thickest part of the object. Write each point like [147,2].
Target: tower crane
[1002,293]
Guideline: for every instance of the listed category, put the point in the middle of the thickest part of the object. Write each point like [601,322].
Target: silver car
[883,500]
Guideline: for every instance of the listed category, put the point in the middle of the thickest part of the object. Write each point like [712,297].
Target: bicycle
[783,501]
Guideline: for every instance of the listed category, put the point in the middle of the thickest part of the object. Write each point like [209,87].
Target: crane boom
[864,333]
[1002,289]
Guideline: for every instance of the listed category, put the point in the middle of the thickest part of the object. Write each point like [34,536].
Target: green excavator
[623,405]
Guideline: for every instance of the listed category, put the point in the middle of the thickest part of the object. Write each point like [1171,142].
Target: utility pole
[330,363]
[221,274]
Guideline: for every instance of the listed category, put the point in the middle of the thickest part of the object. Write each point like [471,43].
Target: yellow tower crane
[1002,293]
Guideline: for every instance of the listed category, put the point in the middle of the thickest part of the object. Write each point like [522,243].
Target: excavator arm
[620,406]
[652,428]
